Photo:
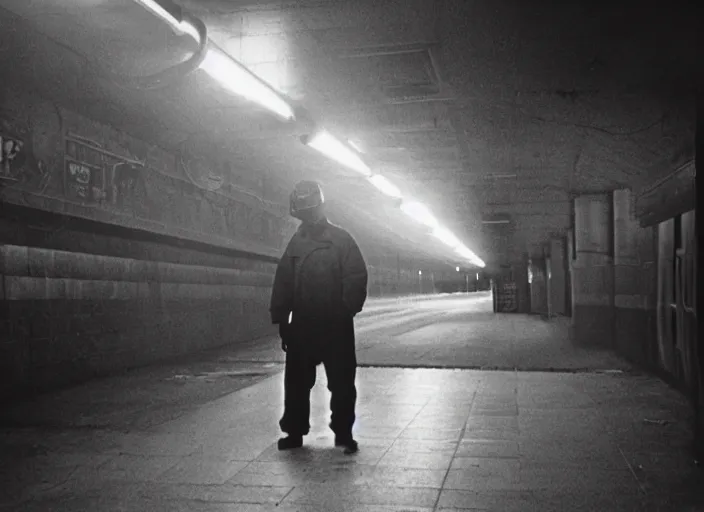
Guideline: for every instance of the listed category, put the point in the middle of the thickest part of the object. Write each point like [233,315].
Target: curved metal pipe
[167,76]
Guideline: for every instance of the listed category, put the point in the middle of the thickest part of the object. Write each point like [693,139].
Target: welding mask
[305,196]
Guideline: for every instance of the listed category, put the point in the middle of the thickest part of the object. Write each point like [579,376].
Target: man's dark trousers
[309,343]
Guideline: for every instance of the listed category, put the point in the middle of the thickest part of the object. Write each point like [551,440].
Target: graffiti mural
[49,154]
[10,150]
[83,182]
[19,167]
[95,176]
[125,178]
[209,174]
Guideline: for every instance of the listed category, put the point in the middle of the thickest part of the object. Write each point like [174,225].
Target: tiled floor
[430,440]
[200,434]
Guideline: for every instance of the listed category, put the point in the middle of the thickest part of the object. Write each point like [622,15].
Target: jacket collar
[314,231]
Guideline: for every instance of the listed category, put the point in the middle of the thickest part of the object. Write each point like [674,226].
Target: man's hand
[283,333]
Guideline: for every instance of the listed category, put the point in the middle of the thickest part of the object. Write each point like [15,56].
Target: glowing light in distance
[419,213]
[180,27]
[469,255]
[385,186]
[333,148]
[239,80]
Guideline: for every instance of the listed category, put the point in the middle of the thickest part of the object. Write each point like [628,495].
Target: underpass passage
[460,331]
[433,331]
[142,219]
[200,434]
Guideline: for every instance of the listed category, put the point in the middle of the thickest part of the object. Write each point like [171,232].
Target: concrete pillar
[538,286]
[569,285]
[548,275]
[558,276]
[520,277]
[593,272]
[635,283]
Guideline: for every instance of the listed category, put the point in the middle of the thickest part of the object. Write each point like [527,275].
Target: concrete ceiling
[444,96]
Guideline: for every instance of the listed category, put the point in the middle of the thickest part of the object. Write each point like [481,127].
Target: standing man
[319,286]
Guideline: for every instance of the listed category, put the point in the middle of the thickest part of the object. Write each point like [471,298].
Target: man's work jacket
[321,277]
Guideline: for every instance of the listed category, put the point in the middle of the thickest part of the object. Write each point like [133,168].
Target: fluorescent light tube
[239,80]
[446,237]
[469,255]
[226,70]
[419,213]
[331,147]
[500,221]
[355,146]
[179,26]
[499,176]
[385,186]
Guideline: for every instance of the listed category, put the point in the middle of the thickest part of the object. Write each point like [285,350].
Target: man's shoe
[350,445]
[287,443]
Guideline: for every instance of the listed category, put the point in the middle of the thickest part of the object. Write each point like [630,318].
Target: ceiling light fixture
[331,147]
[419,213]
[172,14]
[469,255]
[385,186]
[499,176]
[221,66]
[355,146]
[239,80]
[446,237]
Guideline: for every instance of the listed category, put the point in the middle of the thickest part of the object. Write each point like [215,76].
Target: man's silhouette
[319,286]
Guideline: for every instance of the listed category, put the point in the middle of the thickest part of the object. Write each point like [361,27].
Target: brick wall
[69,315]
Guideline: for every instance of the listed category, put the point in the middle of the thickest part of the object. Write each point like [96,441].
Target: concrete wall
[392,274]
[387,281]
[395,274]
[558,277]
[635,278]
[78,304]
[73,165]
[108,264]
[624,284]
[538,286]
[614,277]
[592,271]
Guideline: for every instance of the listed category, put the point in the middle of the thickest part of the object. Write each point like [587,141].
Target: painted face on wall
[9,149]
